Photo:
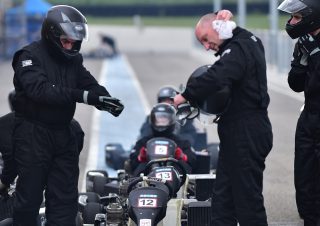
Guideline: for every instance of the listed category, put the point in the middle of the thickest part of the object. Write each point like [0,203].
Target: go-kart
[163,193]
[116,155]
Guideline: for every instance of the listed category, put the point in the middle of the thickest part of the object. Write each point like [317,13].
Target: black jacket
[242,68]
[307,79]
[47,88]
[9,172]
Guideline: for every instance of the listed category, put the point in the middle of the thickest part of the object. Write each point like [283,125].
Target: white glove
[224,28]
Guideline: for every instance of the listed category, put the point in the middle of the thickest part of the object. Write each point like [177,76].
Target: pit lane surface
[144,73]
[153,70]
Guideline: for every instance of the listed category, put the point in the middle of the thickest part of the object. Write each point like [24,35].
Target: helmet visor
[75,31]
[162,119]
[292,6]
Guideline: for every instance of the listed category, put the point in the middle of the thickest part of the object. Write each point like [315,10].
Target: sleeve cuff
[78,95]
[186,94]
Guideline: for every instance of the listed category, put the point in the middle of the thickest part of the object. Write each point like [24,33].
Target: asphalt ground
[161,66]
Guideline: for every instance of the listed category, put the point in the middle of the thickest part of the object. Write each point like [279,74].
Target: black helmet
[214,105]
[64,21]
[11,98]
[166,93]
[310,12]
[163,119]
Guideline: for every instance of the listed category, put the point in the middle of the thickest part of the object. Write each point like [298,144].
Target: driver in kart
[163,121]
[188,131]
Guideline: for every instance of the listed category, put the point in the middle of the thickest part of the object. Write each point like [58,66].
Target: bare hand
[178,99]
[224,14]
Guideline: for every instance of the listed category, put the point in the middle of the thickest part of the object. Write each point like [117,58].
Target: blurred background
[20,20]
[137,46]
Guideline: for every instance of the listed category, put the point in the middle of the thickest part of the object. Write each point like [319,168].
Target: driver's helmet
[63,21]
[214,105]
[166,93]
[310,12]
[11,98]
[163,119]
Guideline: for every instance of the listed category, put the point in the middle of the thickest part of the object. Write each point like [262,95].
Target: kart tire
[99,184]
[6,207]
[90,211]
[6,222]
[91,197]
[79,221]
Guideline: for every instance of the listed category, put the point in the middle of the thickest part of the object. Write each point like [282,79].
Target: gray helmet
[310,12]
[165,93]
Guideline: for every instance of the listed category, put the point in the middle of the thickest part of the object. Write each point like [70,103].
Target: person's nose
[69,45]
[293,21]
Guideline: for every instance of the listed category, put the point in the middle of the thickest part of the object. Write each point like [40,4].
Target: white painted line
[146,105]
[92,159]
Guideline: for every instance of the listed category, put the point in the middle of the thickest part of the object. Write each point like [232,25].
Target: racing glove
[309,44]
[103,103]
[300,57]
[179,155]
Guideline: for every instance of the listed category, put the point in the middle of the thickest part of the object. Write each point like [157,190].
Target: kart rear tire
[6,222]
[79,221]
[91,197]
[90,211]
[99,185]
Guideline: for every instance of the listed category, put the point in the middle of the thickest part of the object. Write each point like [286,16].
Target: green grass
[134,2]
[255,21]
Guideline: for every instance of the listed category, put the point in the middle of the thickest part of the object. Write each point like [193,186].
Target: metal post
[274,20]
[217,5]
[242,13]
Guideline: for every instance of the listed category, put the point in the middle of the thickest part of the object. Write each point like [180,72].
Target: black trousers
[307,167]
[9,171]
[47,160]
[237,197]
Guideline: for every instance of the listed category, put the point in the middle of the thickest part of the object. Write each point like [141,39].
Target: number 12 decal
[147,202]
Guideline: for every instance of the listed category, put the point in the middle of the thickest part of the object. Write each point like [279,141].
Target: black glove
[103,103]
[309,44]
[111,105]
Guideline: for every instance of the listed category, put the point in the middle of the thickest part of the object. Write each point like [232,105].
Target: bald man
[244,128]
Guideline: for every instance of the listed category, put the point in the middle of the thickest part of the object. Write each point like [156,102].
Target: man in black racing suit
[49,79]
[304,76]
[244,128]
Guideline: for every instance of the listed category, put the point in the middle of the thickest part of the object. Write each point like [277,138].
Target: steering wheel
[149,180]
[164,162]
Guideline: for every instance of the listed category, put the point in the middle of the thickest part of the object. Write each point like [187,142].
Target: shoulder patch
[26,63]
[254,38]
[227,51]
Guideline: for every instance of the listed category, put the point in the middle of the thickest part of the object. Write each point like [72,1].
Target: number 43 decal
[147,202]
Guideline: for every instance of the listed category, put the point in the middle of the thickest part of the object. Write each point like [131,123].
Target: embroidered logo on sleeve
[26,63]
[227,51]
